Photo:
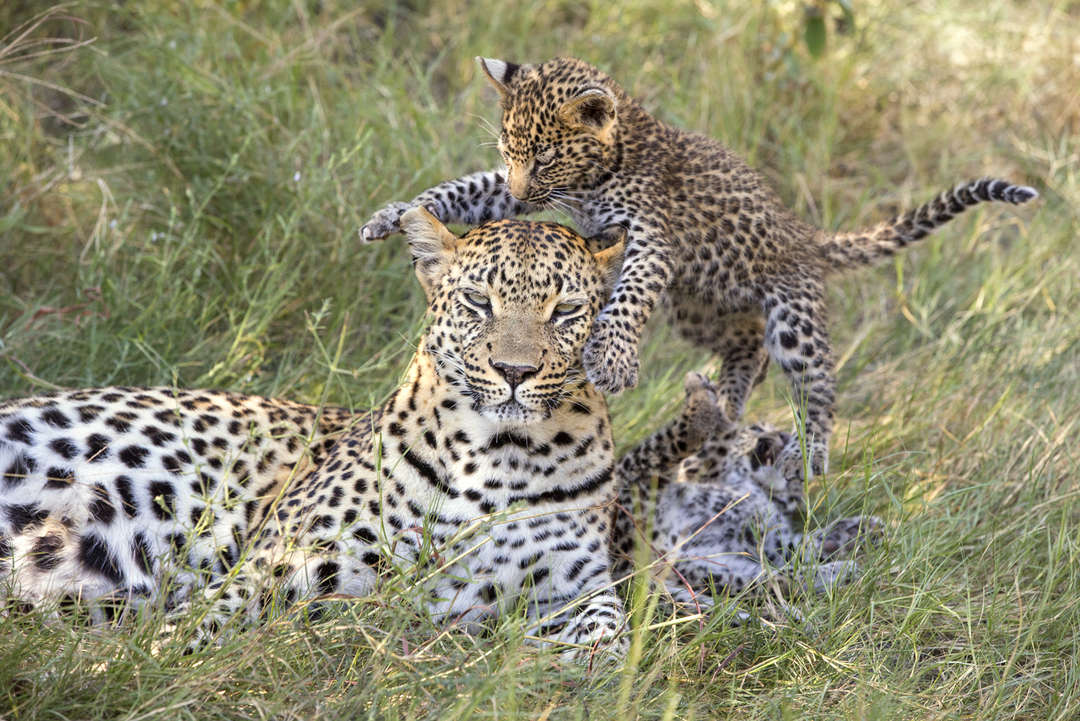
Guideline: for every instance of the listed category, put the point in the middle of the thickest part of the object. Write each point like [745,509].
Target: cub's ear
[500,73]
[606,238]
[432,246]
[592,110]
[610,261]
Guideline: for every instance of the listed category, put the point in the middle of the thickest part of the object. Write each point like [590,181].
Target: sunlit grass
[182,188]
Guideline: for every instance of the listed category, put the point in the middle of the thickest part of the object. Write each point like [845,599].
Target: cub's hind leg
[797,340]
[737,339]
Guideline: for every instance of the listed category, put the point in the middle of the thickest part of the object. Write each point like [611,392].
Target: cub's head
[558,126]
[748,452]
[512,303]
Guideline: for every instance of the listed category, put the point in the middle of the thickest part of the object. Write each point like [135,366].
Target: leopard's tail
[865,247]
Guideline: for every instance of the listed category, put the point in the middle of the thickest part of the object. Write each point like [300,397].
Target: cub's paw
[842,537]
[384,222]
[831,575]
[611,361]
[703,410]
[792,465]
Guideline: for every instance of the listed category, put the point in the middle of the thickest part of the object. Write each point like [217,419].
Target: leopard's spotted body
[496,452]
[743,276]
[703,494]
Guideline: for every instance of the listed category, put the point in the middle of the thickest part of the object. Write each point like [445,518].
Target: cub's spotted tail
[858,248]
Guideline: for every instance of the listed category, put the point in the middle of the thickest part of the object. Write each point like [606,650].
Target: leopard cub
[742,275]
[705,496]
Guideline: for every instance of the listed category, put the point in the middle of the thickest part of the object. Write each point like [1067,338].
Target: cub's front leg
[469,200]
[611,353]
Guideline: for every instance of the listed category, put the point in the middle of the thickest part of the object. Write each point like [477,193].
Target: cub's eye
[544,157]
[564,309]
[478,299]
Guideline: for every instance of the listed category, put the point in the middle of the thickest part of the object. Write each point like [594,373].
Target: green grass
[180,203]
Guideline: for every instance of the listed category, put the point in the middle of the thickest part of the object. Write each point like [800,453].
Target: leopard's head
[559,123]
[512,303]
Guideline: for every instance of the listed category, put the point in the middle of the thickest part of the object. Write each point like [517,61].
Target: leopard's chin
[512,412]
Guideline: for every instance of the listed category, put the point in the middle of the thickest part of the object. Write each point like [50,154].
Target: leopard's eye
[563,310]
[544,156]
[479,300]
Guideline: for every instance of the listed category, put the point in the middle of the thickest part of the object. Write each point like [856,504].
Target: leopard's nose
[514,374]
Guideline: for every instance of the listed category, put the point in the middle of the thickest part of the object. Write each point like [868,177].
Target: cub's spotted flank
[495,429]
[742,275]
[705,497]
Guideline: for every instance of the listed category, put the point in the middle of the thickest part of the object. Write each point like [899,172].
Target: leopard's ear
[592,110]
[432,246]
[610,260]
[500,73]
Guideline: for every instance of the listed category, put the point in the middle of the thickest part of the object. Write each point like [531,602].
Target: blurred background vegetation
[182,185]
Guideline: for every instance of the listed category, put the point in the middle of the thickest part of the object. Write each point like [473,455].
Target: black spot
[322,522]
[425,470]
[327,574]
[134,456]
[162,499]
[101,509]
[118,424]
[56,419]
[64,448]
[95,555]
[22,515]
[20,431]
[177,541]
[127,496]
[59,478]
[575,568]
[140,550]
[158,436]
[46,552]
[19,469]
[363,533]
[487,593]
[89,413]
[538,575]
[97,448]
[172,465]
[562,438]
[788,339]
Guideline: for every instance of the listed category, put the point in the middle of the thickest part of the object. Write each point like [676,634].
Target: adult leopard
[492,461]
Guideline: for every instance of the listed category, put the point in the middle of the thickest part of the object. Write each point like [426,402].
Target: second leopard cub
[744,276]
[703,494]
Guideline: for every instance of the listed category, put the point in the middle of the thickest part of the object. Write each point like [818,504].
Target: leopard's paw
[384,222]
[703,409]
[792,464]
[611,361]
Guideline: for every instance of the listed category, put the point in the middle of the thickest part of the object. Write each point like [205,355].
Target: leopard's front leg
[596,628]
[611,353]
[470,200]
